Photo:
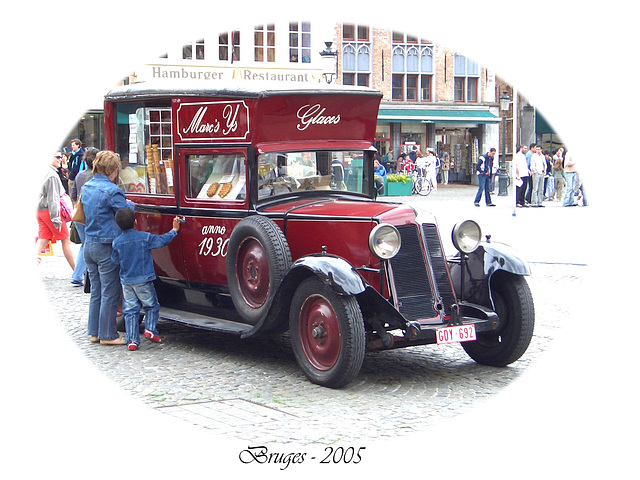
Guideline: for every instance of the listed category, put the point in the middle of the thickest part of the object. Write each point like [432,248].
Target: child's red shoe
[151,336]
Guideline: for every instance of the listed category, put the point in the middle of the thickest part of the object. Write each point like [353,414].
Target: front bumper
[420,333]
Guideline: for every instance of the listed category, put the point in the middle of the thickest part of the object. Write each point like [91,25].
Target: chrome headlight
[384,241]
[466,236]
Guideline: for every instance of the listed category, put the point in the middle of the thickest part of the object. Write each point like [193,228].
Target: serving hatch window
[216,176]
[306,171]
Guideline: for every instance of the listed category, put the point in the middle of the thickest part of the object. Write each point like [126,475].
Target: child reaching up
[132,251]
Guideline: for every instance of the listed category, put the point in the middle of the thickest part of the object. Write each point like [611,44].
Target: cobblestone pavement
[254,390]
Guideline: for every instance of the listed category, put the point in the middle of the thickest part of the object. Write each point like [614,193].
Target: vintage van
[283,231]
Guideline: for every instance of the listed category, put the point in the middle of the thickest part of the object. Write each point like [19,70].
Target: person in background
[446,166]
[522,174]
[379,173]
[63,171]
[558,176]
[538,167]
[529,179]
[432,168]
[484,168]
[75,162]
[578,188]
[413,154]
[51,225]
[77,278]
[101,199]
[570,172]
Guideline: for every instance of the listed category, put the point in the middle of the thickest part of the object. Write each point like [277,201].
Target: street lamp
[505,99]
[329,62]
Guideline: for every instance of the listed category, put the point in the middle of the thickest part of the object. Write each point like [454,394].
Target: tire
[327,334]
[514,306]
[425,187]
[257,261]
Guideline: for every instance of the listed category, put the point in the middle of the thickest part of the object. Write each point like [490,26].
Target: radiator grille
[411,277]
[439,266]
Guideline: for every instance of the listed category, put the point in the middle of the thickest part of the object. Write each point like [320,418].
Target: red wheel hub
[320,333]
[252,270]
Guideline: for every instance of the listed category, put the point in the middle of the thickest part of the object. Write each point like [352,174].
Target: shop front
[462,134]
[89,129]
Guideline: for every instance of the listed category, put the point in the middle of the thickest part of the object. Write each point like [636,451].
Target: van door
[213,199]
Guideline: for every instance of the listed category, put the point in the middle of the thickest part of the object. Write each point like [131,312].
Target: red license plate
[459,333]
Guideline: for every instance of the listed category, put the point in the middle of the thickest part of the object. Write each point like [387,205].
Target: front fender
[335,271]
[480,266]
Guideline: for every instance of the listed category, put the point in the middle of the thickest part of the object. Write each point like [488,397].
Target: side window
[216,176]
[145,147]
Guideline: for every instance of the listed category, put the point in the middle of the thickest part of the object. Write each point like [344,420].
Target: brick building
[433,97]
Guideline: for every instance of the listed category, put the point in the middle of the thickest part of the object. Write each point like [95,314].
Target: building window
[399,37]
[264,39]
[356,55]
[425,88]
[349,32]
[397,87]
[189,49]
[229,46]
[466,74]
[300,42]
[412,66]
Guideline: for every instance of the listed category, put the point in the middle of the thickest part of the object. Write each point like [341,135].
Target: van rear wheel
[257,261]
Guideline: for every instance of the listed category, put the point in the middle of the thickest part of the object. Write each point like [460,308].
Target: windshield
[287,172]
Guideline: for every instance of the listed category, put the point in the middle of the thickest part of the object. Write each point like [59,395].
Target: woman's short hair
[106,162]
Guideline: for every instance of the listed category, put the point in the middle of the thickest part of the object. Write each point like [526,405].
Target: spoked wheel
[327,334]
[425,187]
[516,313]
[258,259]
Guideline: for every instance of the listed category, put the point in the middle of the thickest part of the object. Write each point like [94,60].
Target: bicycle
[422,185]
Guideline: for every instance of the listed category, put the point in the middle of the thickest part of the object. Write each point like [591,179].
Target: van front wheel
[327,334]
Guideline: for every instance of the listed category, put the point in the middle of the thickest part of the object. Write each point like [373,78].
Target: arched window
[412,70]
[356,55]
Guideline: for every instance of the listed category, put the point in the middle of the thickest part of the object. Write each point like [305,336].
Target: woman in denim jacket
[101,199]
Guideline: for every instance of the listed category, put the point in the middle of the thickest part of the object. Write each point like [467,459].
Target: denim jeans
[105,289]
[137,296]
[484,183]
[81,265]
[569,199]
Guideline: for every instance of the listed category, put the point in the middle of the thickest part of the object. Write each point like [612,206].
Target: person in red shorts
[51,226]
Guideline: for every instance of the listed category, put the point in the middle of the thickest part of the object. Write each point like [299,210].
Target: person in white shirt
[432,168]
[538,170]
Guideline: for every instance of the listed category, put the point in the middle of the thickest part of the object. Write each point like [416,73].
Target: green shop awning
[422,115]
[542,126]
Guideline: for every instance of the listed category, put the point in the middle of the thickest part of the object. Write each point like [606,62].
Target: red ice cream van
[282,229]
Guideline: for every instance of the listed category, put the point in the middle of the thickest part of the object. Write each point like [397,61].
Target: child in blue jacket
[132,251]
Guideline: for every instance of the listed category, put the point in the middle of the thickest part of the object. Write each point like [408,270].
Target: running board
[204,321]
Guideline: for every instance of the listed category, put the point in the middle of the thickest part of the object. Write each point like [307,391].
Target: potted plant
[398,184]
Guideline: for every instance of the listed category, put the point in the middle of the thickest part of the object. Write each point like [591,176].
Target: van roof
[233,88]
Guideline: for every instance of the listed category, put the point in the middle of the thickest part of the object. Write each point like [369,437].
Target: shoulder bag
[78,212]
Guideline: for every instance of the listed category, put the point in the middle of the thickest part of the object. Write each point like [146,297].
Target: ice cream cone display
[168,164]
[151,171]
